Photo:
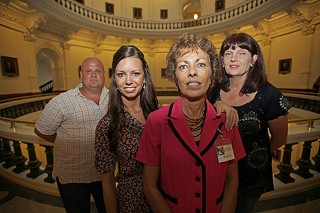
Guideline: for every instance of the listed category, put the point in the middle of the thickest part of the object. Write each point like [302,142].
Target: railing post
[18,160]
[7,154]
[285,166]
[304,162]
[316,159]
[49,166]
[1,150]
[34,163]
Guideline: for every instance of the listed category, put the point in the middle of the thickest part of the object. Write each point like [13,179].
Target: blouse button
[198,194]
[197,210]
[198,179]
[197,164]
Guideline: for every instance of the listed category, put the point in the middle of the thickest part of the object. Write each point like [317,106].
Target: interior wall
[287,47]
[314,57]
[76,54]
[13,45]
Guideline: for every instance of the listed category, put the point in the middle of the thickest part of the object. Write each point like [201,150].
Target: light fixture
[195,16]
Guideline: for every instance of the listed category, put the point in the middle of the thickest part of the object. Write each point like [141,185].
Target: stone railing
[78,15]
[305,131]
[306,101]
[25,157]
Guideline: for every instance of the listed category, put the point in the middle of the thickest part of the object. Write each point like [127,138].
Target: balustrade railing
[306,133]
[17,137]
[47,87]
[80,15]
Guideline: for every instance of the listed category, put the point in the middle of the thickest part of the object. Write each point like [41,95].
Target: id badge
[224,149]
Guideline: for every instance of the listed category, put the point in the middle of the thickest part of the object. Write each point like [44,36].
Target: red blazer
[191,178]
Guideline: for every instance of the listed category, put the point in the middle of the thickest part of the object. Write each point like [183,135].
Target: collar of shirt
[103,96]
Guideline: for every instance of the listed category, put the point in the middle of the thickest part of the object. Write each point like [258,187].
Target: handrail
[14,120]
[291,120]
[27,96]
[16,124]
[299,92]
[296,120]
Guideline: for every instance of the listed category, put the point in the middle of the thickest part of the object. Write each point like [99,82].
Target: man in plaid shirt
[69,121]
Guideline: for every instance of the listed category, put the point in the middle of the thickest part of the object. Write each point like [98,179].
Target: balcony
[76,15]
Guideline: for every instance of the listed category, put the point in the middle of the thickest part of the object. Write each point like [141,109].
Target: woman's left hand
[232,117]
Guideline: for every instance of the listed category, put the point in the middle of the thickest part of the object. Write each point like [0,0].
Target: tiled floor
[14,198]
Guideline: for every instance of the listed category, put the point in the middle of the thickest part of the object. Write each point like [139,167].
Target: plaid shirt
[74,118]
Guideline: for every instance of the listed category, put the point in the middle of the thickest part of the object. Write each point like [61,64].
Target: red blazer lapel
[181,125]
[210,126]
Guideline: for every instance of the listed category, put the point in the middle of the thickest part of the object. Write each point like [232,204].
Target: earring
[144,85]
[251,65]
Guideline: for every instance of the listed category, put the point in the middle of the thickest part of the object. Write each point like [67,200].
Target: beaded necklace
[196,125]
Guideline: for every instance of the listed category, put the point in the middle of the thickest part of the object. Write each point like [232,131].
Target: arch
[49,68]
[191,8]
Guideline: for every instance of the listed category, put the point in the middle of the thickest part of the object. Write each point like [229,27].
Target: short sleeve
[150,142]
[105,160]
[51,117]
[276,104]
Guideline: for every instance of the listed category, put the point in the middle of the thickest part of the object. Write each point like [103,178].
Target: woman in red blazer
[190,157]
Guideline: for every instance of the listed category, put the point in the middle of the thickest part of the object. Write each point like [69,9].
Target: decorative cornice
[12,19]
[35,21]
[29,37]
[66,45]
[98,51]
[309,30]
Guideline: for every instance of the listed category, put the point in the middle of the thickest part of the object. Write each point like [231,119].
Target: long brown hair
[148,100]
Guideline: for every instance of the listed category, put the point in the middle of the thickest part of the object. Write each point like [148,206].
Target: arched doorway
[49,70]
[191,9]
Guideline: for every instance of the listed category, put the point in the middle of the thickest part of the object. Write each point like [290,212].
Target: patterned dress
[130,195]
[255,171]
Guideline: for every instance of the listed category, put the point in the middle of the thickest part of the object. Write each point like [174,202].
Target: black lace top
[255,171]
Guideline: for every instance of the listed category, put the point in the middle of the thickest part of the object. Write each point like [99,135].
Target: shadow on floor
[295,199]
[14,190]
[9,191]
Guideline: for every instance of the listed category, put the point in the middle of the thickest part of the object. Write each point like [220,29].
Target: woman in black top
[242,83]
